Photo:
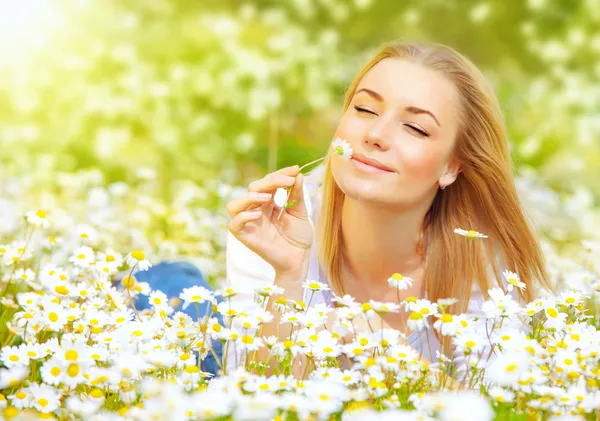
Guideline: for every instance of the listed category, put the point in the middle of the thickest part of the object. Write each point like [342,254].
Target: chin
[361,189]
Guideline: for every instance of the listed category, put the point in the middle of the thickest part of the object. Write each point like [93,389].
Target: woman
[430,155]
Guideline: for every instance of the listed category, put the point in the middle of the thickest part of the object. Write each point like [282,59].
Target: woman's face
[404,116]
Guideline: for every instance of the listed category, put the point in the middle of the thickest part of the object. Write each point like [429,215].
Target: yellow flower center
[415,315]
[73,370]
[446,318]
[397,277]
[137,255]
[40,214]
[61,289]
[96,393]
[71,355]
[128,282]
[53,317]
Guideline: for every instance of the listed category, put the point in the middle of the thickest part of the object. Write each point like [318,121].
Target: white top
[246,271]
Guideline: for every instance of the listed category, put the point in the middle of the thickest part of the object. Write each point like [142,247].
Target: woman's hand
[284,243]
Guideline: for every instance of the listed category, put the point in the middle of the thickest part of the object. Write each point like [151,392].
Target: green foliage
[200,89]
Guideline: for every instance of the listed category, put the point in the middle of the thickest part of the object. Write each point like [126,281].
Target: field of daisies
[75,347]
[126,128]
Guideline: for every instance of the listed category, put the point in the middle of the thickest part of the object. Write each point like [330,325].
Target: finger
[247,201]
[242,218]
[271,182]
[297,195]
[291,171]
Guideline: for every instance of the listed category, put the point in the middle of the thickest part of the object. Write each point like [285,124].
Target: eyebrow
[410,109]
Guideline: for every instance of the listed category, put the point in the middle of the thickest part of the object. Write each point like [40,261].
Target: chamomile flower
[54,317]
[13,356]
[21,398]
[195,294]
[382,308]
[508,368]
[137,257]
[87,233]
[447,324]
[315,286]
[11,378]
[346,301]
[513,280]
[399,281]
[158,300]
[501,395]
[38,219]
[417,321]
[470,234]
[342,147]
[44,398]
[83,257]
[269,290]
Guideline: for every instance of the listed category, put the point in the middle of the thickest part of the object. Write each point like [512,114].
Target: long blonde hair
[482,198]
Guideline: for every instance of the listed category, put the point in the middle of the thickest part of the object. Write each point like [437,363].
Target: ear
[453,169]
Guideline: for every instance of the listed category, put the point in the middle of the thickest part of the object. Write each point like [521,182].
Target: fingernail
[264,195]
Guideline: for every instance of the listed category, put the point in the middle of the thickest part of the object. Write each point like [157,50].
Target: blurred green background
[228,90]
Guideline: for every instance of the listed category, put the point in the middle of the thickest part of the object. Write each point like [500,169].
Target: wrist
[291,282]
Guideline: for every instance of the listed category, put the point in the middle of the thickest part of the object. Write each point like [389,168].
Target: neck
[379,241]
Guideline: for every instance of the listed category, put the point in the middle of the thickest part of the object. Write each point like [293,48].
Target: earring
[443,186]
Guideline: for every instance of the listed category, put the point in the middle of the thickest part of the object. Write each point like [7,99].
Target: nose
[379,134]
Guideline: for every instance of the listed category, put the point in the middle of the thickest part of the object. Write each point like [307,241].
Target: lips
[372,162]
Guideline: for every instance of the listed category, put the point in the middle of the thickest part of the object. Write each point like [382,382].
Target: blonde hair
[482,198]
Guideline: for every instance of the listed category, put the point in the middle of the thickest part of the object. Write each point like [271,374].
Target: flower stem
[300,170]
[129,292]
[315,161]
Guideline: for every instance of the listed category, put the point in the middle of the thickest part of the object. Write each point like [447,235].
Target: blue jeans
[171,278]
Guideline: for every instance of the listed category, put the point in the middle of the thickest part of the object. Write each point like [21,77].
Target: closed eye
[417,130]
[364,110]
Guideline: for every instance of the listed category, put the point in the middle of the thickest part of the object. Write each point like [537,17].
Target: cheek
[421,160]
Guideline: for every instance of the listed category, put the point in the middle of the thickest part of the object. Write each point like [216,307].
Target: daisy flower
[381,307]
[87,233]
[10,378]
[83,257]
[470,234]
[137,257]
[195,294]
[269,290]
[21,399]
[399,281]
[38,218]
[13,356]
[513,280]
[315,286]
[44,397]
[342,148]
[417,321]
[346,301]
[158,300]
[54,317]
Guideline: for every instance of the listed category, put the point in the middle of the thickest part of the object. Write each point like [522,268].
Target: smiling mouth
[369,168]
